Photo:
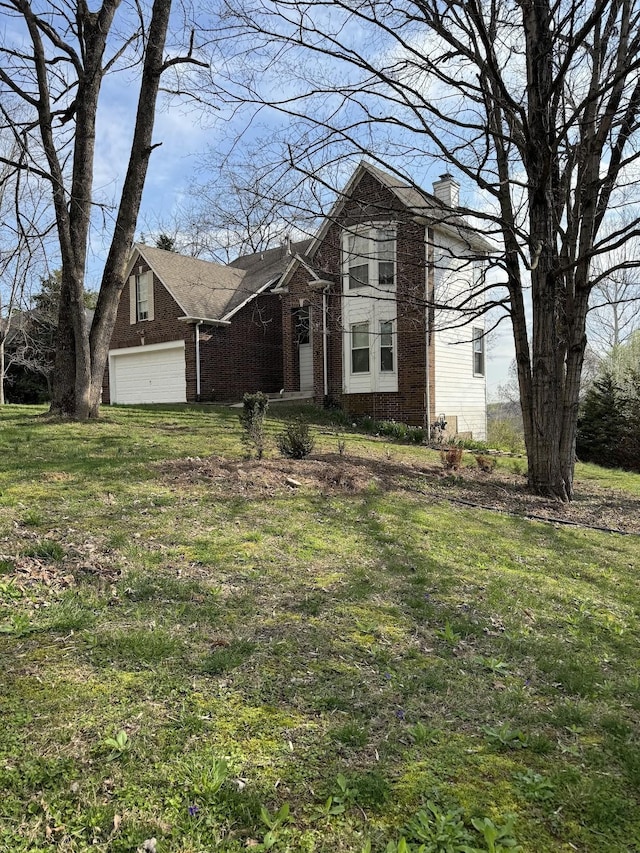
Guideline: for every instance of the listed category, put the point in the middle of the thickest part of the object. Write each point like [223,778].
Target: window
[478,352]
[358,250]
[385,252]
[303,326]
[371,258]
[142,297]
[360,348]
[386,346]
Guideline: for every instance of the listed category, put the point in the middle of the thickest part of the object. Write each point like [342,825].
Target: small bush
[451,458]
[505,434]
[295,441]
[367,424]
[416,435]
[485,463]
[392,429]
[254,413]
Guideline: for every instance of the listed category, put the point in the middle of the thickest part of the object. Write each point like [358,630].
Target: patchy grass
[202,652]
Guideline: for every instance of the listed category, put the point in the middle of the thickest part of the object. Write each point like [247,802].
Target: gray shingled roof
[210,291]
[417,201]
[422,203]
[261,268]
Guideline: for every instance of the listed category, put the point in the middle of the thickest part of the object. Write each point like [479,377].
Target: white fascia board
[293,265]
[465,234]
[227,317]
[207,320]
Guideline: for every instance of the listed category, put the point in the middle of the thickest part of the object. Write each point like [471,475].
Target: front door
[305,353]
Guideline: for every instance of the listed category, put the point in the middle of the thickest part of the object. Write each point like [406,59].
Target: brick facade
[244,356]
[369,203]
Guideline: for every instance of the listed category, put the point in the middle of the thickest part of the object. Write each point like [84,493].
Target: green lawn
[221,661]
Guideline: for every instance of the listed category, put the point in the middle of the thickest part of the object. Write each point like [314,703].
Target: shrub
[485,463]
[415,435]
[392,429]
[505,434]
[254,413]
[295,441]
[451,458]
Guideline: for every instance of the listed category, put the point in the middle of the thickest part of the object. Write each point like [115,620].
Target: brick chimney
[447,190]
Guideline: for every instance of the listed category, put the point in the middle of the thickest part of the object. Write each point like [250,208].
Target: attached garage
[148,374]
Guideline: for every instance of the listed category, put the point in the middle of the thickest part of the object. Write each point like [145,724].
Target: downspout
[197,331]
[325,363]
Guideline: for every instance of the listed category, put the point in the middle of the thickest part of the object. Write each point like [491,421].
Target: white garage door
[150,374]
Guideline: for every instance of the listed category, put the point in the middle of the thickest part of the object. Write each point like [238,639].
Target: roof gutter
[206,320]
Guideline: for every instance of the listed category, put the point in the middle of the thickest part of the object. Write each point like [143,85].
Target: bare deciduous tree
[24,226]
[53,60]
[247,204]
[615,301]
[534,103]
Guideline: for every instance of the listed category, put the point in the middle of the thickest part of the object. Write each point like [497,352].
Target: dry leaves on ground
[498,490]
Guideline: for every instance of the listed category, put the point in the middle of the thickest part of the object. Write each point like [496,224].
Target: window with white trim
[142,296]
[360,348]
[478,352]
[371,258]
[386,346]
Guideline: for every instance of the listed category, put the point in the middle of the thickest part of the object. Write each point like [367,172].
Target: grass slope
[223,664]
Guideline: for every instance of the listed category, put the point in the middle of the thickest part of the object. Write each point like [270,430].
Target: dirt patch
[330,473]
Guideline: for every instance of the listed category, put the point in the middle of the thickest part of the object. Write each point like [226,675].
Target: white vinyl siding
[460,393]
[149,374]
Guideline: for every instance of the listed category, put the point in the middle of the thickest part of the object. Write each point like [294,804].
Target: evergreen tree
[630,444]
[602,423]
[166,242]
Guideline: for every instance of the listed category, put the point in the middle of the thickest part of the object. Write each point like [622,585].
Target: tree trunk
[82,352]
[2,400]
[63,382]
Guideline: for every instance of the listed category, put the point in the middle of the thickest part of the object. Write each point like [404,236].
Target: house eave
[208,320]
[320,284]
[262,289]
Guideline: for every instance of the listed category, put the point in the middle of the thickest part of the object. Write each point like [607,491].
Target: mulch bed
[497,490]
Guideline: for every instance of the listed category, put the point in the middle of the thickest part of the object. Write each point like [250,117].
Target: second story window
[142,296]
[360,348]
[371,258]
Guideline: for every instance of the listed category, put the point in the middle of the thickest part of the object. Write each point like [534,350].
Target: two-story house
[378,313]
